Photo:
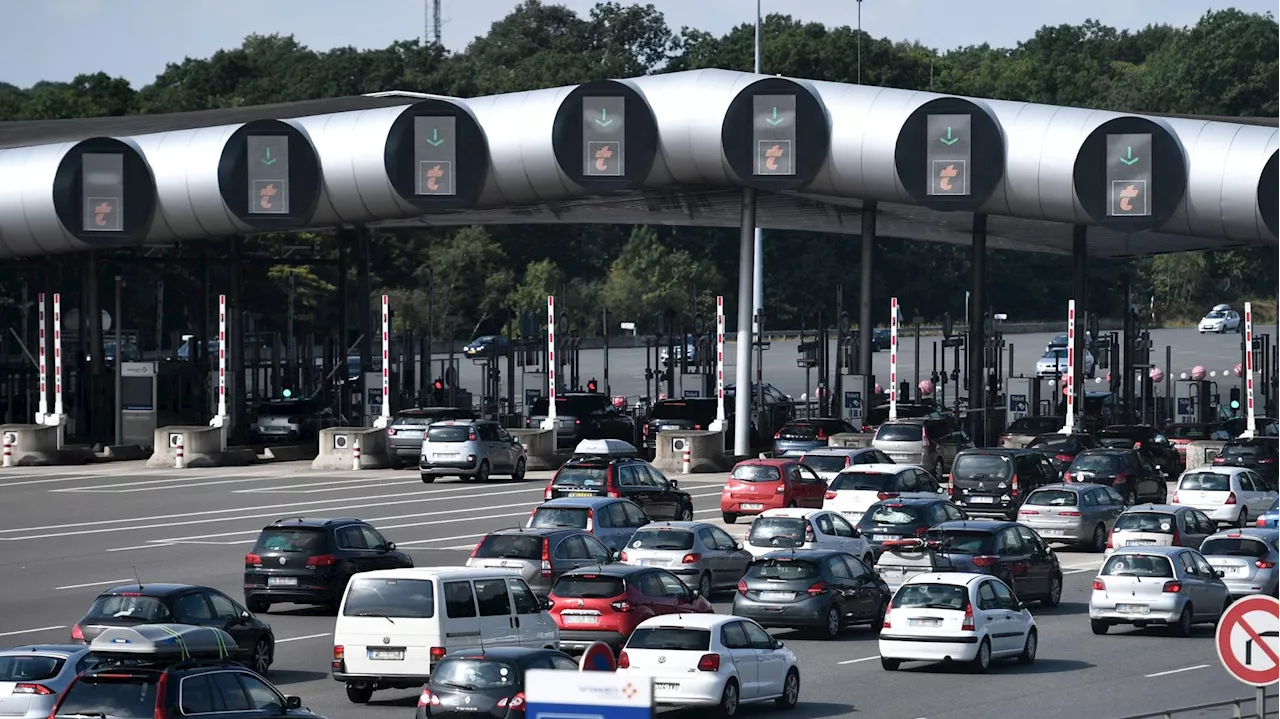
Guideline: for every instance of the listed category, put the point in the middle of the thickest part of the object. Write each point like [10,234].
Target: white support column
[221,420]
[384,420]
[893,359]
[43,411]
[719,425]
[1250,422]
[1069,379]
[550,421]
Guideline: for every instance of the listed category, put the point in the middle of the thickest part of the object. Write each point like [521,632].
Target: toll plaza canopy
[663,149]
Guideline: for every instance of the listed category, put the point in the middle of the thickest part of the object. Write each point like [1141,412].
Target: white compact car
[711,660]
[1228,495]
[955,617]
[855,489]
[778,530]
[1220,319]
[1054,363]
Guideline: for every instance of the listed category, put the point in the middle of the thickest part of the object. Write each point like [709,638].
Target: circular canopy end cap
[1130,174]
[437,156]
[1269,193]
[269,175]
[950,154]
[605,136]
[776,135]
[104,193]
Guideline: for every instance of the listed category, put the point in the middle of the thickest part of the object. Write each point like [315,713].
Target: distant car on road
[487,346]
[404,436]
[1221,319]
[1054,363]
[584,415]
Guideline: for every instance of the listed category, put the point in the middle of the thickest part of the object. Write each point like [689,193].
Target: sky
[58,39]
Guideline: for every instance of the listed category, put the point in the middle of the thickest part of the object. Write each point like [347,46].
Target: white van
[395,624]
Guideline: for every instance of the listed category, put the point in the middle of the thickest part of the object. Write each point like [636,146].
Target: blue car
[805,435]
[1271,518]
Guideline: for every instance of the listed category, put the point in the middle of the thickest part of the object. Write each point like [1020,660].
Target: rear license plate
[752,505]
[883,537]
[1140,543]
[664,686]
[1052,532]
[580,619]
[442,455]
[982,500]
[282,581]
[778,596]
[274,430]
[653,562]
[582,494]
[924,622]
[386,655]
[1133,609]
[1232,571]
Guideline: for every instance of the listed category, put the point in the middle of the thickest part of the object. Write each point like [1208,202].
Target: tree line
[1226,64]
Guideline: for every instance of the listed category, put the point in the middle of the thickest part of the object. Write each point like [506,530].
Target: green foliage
[648,278]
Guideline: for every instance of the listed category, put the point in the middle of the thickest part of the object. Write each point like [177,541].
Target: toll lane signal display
[603,135]
[1129,175]
[268,162]
[773,131]
[102,191]
[435,154]
[949,154]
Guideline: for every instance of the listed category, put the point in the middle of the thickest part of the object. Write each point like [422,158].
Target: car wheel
[937,469]
[1098,626]
[790,691]
[982,660]
[729,699]
[359,694]
[1028,654]
[685,514]
[880,615]
[261,657]
[1055,592]
[704,586]
[257,605]
[831,629]
[728,517]
[428,478]
[518,475]
[1099,543]
[482,474]
[1243,519]
[1183,627]
[890,665]
[394,462]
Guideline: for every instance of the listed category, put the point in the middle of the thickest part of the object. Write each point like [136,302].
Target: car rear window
[1034,425]
[133,607]
[900,433]
[800,429]
[572,406]
[960,541]
[396,598]
[1097,463]
[1223,547]
[785,569]
[1053,498]
[1137,565]
[448,433]
[588,587]
[475,674]
[891,514]
[1205,482]
[509,546]
[662,539]
[1187,432]
[824,462]
[931,596]
[579,476]
[1115,440]
[670,638]
[117,697]
[978,466]
[29,667]
[777,531]
[756,473]
[1242,450]
[691,411]
[857,479]
[293,540]
[413,421]
[1146,522]
[574,517]
[1054,444]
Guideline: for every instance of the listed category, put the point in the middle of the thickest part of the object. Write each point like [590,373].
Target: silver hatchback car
[703,555]
[1163,586]
[33,676]
[471,450]
[1080,514]
[1247,559]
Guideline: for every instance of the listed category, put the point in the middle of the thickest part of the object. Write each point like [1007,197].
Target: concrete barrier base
[851,439]
[540,445]
[1201,453]
[336,445]
[36,445]
[124,452]
[201,445]
[706,451]
[290,453]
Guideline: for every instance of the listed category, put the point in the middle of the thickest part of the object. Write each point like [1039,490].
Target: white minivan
[394,625]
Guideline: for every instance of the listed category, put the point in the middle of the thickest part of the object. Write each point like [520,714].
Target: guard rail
[1206,711]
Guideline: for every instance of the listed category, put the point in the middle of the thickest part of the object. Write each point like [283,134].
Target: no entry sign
[1248,638]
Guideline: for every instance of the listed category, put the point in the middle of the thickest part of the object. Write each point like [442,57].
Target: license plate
[385,655]
[924,622]
[1140,543]
[274,430]
[1133,609]
[883,537]
[653,562]
[580,619]
[982,500]
[752,505]
[663,686]
[783,596]
[282,581]
[444,456]
[582,494]
[1052,532]
[1231,571]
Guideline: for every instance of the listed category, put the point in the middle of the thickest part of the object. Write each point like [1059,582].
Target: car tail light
[515,703]
[471,436]
[1066,476]
[611,489]
[777,435]
[984,561]
[1063,457]
[547,494]
[37,689]
[1266,460]
[887,624]
[1027,511]
[691,559]
[1137,445]
[1264,564]
[921,531]
[822,434]
[591,519]
[819,588]
[1172,587]
[1177,538]
[866,428]
[391,431]
[742,587]
[1111,539]
[781,488]
[1231,498]
[709,663]
[1098,586]
[1121,478]
[546,557]
[321,560]
[77,634]
[162,697]
[809,535]
[429,700]
[339,653]
[1013,486]
[1262,522]
[832,495]
[577,421]
[1175,497]
[437,653]
[476,549]
[295,420]
[623,606]
[1219,460]
[1068,514]
[697,427]
[1234,535]
[624,661]
[622,557]
[967,625]
[252,560]
[886,495]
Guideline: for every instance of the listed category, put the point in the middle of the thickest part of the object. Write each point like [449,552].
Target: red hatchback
[606,603]
[759,484]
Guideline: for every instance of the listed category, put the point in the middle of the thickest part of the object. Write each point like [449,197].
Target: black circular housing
[304,178]
[639,136]
[812,135]
[138,187]
[1269,193]
[470,156]
[985,167]
[1168,173]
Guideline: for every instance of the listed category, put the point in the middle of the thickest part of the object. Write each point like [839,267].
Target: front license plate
[778,596]
[749,505]
[1133,609]
[982,500]
[386,655]
[883,537]
[664,686]
[580,619]
[282,581]
[924,622]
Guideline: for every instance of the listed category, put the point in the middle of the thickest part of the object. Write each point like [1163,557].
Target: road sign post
[1246,641]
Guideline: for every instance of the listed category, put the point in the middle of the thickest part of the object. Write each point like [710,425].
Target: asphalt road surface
[68,533]
[1217,353]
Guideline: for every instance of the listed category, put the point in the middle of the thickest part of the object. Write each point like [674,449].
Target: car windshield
[783,569]
[29,667]
[588,587]
[662,538]
[1055,354]
[1234,547]
[900,433]
[1053,498]
[1205,482]
[544,516]
[1215,315]
[1054,444]
[860,479]
[473,674]
[670,638]
[448,433]
[778,531]
[756,473]
[1145,522]
[959,541]
[293,540]
[698,412]
[509,546]
[980,466]
[117,696]
[1058,341]
[395,598]
[129,607]
[891,514]
[579,406]
[931,596]
[1107,463]
[579,476]
[824,462]
[1137,565]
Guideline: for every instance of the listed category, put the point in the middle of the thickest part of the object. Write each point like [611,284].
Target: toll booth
[184,393]
[1018,396]
[138,402]
[857,399]
[1195,401]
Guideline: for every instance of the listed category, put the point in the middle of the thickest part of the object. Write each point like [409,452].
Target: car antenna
[135,576]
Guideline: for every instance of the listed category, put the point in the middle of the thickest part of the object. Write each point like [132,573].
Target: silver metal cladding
[523,167]
[188,198]
[28,222]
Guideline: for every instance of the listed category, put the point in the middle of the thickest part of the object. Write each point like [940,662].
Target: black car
[132,605]
[487,346]
[485,682]
[996,481]
[821,590]
[1061,449]
[893,519]
[308,560]
[1259,454]
[1265,426]
[1129,472]
[624,477]
[1147,440]
[584,415]
[694,413]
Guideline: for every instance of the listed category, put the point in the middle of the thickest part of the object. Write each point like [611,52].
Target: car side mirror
[673,483]
[293,702]
[1220,573]
[942,490]
[390,547]
[615,556]
[245,616]
[1020,605]
[738,546]
[857,532]
[777,644]
[545,604]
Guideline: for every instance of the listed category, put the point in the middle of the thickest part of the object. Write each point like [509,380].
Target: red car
[606,603]
[759,484]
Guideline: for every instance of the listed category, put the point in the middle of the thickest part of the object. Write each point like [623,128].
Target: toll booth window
[137,394]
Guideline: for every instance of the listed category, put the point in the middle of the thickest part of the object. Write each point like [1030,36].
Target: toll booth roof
[164,642]
[605,447]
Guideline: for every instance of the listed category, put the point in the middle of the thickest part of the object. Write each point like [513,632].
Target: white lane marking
[172,483]
[303,637]
[1077,571]
[334,486]
[855,661]
[96,584]
[142,546]
[1176,671]
[32,631]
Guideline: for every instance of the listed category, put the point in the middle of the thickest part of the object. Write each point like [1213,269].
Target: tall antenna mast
[434,23]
